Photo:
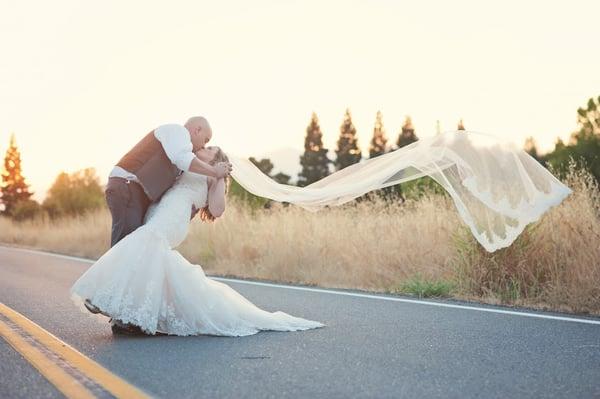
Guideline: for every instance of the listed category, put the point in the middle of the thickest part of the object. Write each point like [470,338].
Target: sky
[82,82]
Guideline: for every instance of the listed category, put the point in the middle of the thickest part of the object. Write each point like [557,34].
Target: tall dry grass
[368,246]
[374,246]
[87,236]
[554,264]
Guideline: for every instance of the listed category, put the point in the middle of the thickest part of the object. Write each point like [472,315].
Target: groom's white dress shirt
[175,140]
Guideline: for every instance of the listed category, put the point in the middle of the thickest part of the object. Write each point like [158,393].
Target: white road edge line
[353,294]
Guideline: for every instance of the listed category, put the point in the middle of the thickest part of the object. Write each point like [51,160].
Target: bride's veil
[497,188]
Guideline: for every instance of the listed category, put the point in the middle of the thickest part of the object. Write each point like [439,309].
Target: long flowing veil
[497,188]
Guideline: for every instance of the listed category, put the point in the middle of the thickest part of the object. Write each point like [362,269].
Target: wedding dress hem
[142,281]
[78,301]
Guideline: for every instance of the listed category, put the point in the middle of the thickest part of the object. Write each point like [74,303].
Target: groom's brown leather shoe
[118,327]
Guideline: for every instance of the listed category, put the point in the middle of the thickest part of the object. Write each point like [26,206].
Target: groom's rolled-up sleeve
[175,140]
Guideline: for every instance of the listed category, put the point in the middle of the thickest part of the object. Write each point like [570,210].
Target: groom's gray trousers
[128,204]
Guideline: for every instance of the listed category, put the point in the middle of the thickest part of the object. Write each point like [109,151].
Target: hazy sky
[81,82]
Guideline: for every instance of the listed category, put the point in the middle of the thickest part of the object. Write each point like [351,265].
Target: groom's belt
[120,173]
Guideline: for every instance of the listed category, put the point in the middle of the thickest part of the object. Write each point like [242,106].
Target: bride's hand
[223,169]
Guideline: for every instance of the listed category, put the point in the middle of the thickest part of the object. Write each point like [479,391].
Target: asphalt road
[371,347]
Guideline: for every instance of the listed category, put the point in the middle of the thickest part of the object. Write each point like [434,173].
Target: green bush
[417,188]
[237,192]
[424,288]
[74,194]
[26,209]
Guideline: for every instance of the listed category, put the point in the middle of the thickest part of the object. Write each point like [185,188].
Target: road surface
[373,345]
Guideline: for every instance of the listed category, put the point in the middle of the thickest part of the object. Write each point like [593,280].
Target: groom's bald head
[197,121]
[200,131]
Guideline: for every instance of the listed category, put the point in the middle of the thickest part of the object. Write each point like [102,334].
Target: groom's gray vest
[149,162]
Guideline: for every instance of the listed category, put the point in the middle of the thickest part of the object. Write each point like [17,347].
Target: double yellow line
[72,373]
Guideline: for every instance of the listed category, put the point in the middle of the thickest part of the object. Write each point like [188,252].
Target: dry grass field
[420,247]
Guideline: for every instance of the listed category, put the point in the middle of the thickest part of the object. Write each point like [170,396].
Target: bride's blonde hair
[220,156]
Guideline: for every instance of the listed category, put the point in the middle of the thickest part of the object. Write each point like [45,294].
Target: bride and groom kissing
[141,283]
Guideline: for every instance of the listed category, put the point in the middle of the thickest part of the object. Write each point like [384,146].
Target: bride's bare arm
[216,197]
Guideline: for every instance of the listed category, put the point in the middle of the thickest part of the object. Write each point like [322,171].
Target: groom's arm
[175,140]
[203,168]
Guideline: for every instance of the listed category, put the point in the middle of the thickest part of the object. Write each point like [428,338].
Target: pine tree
[347,152]
[407,135]
[13,188]
[379,147]
[314,161]
[379,141]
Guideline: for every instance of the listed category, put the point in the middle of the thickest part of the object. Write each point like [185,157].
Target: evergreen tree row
[316,165]
[81,191]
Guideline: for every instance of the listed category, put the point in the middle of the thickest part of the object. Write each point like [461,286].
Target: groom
[149,169]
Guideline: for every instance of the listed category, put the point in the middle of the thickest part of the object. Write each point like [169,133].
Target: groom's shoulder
[169,128]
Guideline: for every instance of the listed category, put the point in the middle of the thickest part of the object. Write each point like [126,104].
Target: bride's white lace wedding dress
[142,280]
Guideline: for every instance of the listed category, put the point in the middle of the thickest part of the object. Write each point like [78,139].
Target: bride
[145,285]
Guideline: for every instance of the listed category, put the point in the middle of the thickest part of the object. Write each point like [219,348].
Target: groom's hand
[223,169]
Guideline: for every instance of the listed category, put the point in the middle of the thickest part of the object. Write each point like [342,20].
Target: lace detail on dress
[127,308]
[197,184]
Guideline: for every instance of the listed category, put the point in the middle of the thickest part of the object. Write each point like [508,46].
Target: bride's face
[206,154]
